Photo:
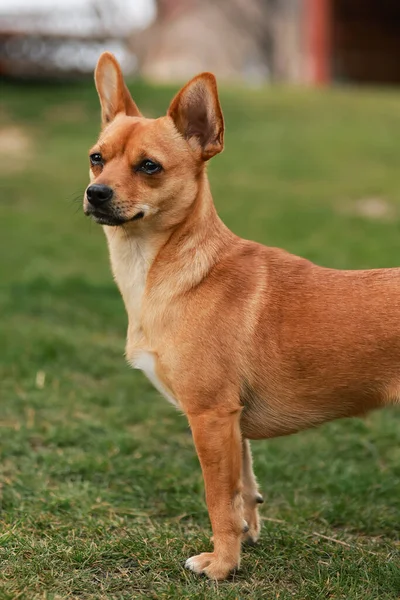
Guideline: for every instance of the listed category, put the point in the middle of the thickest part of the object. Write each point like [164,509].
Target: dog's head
[148,170]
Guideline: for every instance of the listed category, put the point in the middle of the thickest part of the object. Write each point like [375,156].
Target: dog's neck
[171,262]
[194,246]
[131,257]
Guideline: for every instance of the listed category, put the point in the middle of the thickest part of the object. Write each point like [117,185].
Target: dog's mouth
[111,220]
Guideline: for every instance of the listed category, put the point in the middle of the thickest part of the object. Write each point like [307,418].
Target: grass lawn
[101,494]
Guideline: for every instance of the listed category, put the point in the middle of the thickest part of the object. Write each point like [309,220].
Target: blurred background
[297,41]
[100,487]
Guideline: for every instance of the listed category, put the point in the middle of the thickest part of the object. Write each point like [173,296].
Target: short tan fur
[248,341]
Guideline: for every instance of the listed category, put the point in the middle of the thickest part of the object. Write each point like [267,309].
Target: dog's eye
[96,159]
[149,167]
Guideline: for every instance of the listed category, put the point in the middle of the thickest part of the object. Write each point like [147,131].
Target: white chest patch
[145,361]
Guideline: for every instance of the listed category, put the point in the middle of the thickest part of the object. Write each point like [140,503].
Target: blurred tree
[109,16]
[251,39]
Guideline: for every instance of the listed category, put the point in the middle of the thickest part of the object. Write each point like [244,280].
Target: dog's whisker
[74,195]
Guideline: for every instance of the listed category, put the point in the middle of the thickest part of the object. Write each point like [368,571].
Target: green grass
[101,491]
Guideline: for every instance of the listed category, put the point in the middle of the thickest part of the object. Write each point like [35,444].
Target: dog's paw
[212,566]
[252,532]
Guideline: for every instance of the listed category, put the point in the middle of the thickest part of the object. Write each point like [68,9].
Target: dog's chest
[131,260]
[130,270]
[146,362]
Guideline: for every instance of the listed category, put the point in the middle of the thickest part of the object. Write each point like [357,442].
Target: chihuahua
[248,341]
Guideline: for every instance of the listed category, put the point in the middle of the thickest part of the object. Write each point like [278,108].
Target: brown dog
[249,341]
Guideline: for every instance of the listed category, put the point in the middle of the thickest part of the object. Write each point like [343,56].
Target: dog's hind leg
[251,496]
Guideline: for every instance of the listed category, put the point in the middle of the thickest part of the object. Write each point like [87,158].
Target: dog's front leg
[217,439]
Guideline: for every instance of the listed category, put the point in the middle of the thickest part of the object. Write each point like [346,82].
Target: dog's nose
[98,194]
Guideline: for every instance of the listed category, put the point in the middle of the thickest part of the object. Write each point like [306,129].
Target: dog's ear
[197,115]
[113,93]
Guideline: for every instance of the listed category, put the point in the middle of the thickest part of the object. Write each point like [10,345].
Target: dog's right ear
[113,93]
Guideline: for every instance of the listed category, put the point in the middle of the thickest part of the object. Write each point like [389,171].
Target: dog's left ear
[197,115]
[113,93]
